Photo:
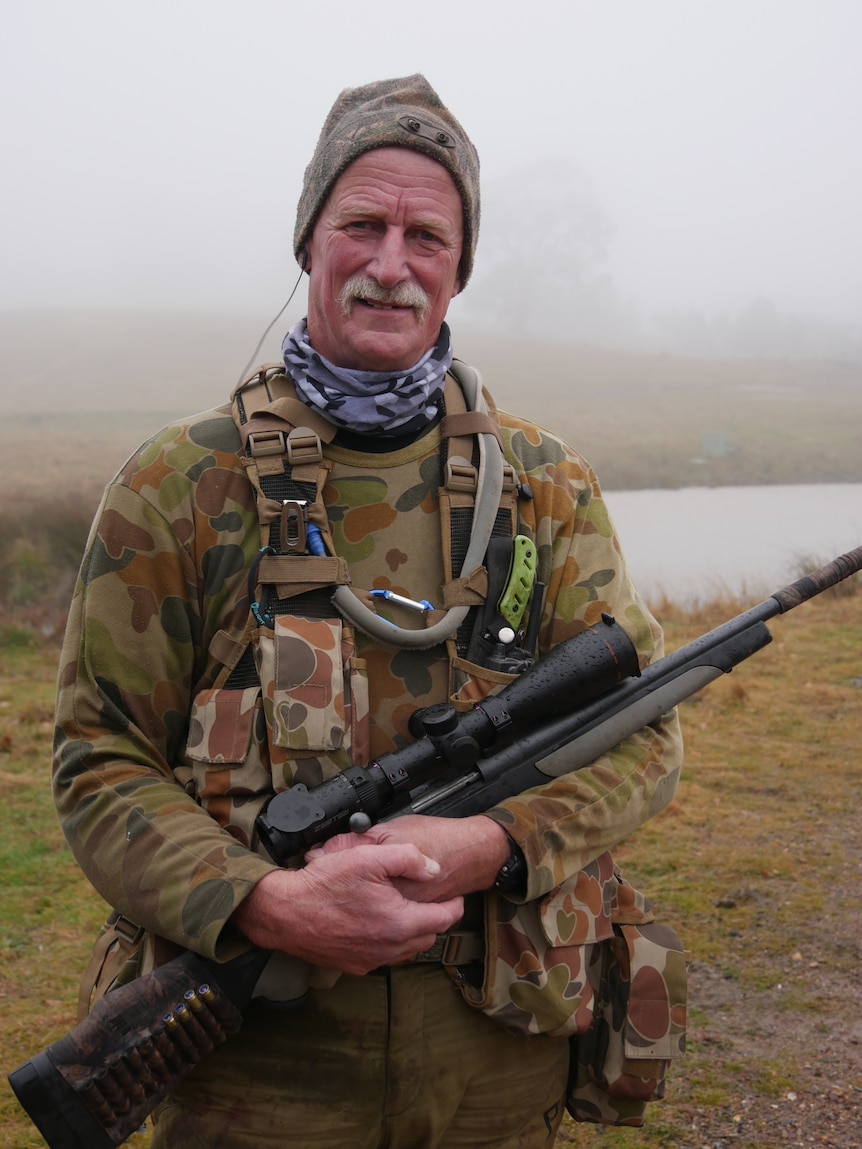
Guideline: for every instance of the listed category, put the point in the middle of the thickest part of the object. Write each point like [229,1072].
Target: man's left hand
[470,852]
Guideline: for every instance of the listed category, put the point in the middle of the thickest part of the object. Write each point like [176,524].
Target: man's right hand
[343,910]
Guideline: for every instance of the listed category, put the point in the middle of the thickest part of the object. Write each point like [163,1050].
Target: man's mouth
[378,306]
[368,292]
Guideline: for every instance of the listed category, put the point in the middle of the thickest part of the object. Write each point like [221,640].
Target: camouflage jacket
[157,802]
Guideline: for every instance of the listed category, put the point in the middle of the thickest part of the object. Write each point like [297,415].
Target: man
[194,683]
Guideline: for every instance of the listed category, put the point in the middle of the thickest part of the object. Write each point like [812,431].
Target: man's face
[383,261]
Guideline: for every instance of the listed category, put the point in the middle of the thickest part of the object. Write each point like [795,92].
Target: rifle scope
[572,673]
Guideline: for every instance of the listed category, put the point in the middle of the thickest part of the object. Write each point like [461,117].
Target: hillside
[93,384]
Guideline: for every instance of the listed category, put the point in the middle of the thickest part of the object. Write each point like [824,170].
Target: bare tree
[545,239]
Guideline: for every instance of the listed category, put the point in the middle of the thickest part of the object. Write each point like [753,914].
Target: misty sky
[153,151]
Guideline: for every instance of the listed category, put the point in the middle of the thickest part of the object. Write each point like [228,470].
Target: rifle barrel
[820,580]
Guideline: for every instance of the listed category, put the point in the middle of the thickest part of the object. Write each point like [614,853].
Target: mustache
[363,287]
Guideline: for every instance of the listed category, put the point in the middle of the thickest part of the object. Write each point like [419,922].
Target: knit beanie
[404,113]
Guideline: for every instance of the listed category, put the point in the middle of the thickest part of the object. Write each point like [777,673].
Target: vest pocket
[315,690]
[470,683]
[222,722]
[227,749]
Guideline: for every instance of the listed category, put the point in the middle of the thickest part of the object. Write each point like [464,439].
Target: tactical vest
[290,703]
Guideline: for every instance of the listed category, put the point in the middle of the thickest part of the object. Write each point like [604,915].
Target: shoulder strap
[285,462]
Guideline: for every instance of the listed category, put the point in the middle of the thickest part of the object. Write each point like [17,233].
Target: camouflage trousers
[394,1060]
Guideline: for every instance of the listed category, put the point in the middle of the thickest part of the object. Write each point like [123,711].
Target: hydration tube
[488,490]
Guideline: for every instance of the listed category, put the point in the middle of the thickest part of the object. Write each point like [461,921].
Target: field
[105,381]
[757,862]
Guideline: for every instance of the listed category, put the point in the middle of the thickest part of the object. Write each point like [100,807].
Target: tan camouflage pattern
[225,730]
[588,962]
[158,777]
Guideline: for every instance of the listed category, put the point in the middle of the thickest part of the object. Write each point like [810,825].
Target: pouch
[621,1062]
[588,962]
[228,751]
[315,690]
[470,683]
[306,721]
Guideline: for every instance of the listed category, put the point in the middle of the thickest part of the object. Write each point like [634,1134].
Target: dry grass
[105,381]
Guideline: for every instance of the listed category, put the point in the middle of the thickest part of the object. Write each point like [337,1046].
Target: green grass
[50,914]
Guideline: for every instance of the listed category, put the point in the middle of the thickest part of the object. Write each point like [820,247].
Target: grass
[50,914]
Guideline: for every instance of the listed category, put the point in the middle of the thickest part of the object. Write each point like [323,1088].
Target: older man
[215,656]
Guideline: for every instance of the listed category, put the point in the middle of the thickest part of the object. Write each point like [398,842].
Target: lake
[695,543]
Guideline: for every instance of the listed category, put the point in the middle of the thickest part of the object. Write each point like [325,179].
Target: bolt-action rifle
[94,1087]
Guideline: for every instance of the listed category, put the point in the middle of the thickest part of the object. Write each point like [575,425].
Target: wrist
[511,879]
[260,915]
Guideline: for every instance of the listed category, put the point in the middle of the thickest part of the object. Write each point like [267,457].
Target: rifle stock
[94,1087]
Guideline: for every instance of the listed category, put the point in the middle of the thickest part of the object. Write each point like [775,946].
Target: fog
[153,154]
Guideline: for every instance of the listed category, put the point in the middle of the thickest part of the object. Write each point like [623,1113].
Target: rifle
[94,1087]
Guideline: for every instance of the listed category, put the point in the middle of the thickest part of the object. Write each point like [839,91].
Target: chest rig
[297,571]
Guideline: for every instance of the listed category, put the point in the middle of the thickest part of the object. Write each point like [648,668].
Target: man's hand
[469,851]
[346,912]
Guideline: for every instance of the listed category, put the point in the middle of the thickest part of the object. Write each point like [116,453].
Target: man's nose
[389,262]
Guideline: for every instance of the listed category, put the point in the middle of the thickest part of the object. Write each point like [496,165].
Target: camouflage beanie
[404,113]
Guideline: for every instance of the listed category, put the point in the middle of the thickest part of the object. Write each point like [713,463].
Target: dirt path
[820,1102]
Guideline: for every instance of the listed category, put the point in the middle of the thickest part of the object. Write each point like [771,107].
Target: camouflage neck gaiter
[370,402]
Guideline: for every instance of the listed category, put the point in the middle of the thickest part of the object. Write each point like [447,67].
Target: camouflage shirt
[153,814]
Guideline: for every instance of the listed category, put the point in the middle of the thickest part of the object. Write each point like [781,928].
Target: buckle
[435,952]
[291,529]
[457,947]
[461,475]
[127,929]
[263,443]
[303,446]
[510,482]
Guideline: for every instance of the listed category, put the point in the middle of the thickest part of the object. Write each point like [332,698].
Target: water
[692,544]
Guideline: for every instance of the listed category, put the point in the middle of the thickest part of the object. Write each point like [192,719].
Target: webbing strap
[468,423]
[283,440]
[119,935]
